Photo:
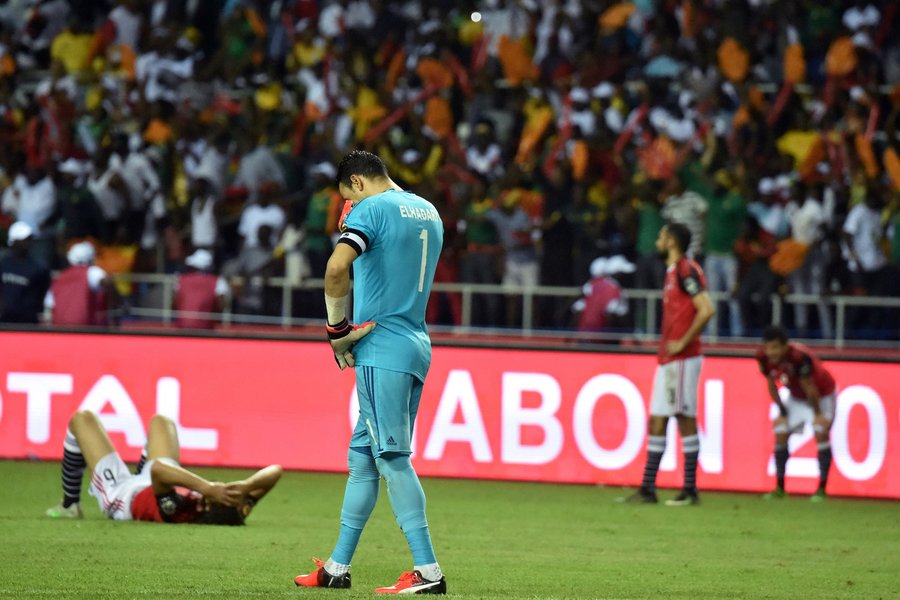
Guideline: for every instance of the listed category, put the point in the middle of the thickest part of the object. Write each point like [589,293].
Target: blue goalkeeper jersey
[398,236]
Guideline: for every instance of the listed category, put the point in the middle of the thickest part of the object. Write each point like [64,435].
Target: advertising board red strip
[573,417]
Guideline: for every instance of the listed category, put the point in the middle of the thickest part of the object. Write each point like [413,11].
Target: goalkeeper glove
[343,336]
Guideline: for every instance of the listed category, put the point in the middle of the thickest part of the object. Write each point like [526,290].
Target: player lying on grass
[152,494]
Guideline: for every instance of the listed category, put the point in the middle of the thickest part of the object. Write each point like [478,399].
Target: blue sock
[360,496]
[408,501]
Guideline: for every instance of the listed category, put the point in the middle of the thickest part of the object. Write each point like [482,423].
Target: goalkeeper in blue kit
[393,240]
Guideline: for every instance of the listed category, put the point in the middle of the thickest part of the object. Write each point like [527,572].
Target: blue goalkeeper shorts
[388,404]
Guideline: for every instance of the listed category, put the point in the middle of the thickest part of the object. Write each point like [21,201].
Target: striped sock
[73,465]
[656,445]
[142,462]
[824,463]
[691,447]
[781,458]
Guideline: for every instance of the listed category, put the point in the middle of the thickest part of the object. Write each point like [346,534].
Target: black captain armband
[356,239]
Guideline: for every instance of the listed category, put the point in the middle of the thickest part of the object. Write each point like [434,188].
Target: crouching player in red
[811,400]
[153,493]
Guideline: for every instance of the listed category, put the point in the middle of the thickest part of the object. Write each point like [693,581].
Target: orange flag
[734,61]
[866,155]
[841,58]
[892,166]
[794,64]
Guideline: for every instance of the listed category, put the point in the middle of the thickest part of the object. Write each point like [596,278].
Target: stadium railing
[155,303]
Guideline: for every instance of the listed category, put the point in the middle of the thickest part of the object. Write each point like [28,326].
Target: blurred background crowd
[548,134]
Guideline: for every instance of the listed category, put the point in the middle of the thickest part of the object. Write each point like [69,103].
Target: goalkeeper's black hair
[360,162]
[775,333]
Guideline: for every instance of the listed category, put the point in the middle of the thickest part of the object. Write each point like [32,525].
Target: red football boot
[322,578]
[412,582]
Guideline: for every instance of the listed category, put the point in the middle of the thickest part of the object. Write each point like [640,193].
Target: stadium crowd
[548,134]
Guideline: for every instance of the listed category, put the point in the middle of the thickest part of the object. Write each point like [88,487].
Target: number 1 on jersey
[424,237]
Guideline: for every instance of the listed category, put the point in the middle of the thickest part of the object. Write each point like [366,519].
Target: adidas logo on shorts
[391,441]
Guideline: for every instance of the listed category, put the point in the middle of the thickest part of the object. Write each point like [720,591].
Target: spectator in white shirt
[484,155]
[204,209]
[109,189]
[264,212]
[143,185]
[127,20]
[808,222]
[863,237]
[332,19]
[31,199]
[213,163]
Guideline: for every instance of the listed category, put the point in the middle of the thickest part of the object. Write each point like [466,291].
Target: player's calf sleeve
[691,448]
[656,445]
[781,458]
[408,501]
[360,497]
[73,465]
[824,463]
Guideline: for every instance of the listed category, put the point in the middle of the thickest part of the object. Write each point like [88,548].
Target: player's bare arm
[166,476]
[341,333]
[258,485]
[705,312]
[776,397]
[812,394]
[821,423]
[337,274]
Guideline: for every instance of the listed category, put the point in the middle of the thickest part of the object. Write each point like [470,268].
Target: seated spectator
[23,280]
[83,294]
[199,293]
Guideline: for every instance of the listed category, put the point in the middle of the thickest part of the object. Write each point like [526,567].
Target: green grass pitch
[494,540]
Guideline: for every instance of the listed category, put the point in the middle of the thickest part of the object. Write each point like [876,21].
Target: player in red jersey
[811,398]
[686,310]
[153,493]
